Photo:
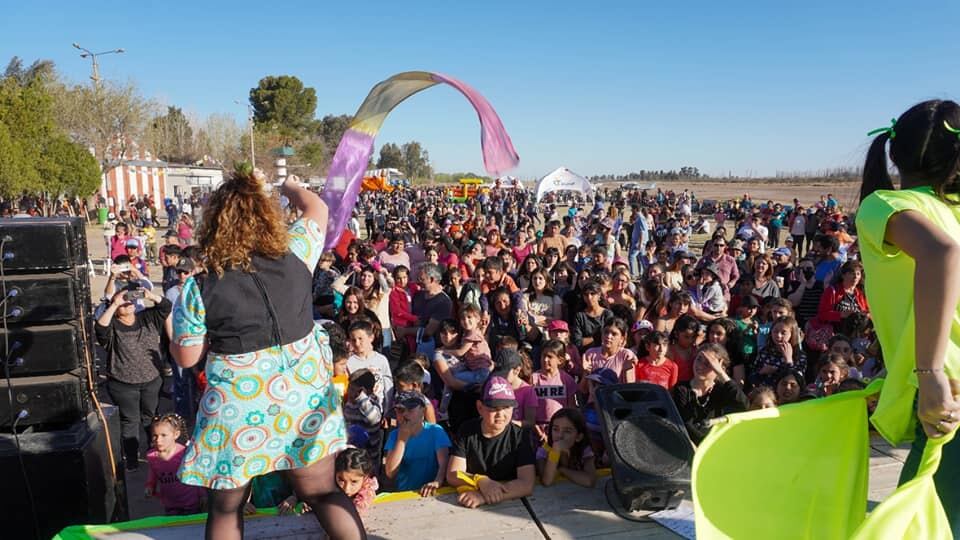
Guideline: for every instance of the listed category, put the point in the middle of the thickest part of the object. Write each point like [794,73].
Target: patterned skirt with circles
[271,410]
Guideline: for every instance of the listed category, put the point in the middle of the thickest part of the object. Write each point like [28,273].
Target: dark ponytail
[924,151]
[876,175]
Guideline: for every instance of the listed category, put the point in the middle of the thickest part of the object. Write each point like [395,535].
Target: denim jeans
[472,377]
[633,258]
[185,393]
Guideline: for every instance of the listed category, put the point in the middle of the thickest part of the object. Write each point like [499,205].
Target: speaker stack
[651,454]
[45,347]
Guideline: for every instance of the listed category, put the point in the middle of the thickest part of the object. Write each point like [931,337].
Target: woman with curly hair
[270,404]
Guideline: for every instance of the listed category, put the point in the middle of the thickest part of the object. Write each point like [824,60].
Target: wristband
[472,480]
[552,455]
[923,371]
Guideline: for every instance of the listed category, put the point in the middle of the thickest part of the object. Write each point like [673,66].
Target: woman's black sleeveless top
[244,316]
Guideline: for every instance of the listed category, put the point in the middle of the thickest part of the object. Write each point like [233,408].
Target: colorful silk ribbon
[345,175]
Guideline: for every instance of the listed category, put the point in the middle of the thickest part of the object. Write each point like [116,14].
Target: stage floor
[564,510]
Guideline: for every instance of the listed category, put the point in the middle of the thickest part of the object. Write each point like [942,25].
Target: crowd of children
[745,326]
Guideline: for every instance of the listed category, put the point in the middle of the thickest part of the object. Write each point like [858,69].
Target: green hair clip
[889,130]
[951,129]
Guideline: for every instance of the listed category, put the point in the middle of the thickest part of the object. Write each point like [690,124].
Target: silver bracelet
[923,371]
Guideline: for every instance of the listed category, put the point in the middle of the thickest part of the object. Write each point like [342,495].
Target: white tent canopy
[563,179]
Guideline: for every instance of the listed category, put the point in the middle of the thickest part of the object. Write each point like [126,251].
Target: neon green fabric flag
[798,471]
[914,510]
[801,471]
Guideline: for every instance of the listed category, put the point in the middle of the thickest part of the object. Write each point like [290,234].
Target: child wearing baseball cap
[417,451]
[509,364]
[560,331]
[492,459]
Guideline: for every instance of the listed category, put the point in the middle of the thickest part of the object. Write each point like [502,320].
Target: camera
[134,294]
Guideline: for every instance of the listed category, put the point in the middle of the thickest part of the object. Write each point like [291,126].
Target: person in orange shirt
[495,277]
[839,231]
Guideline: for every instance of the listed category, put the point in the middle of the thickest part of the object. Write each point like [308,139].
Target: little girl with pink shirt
[164,459]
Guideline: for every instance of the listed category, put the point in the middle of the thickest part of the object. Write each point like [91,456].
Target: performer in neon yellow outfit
[800,470]
[910,245]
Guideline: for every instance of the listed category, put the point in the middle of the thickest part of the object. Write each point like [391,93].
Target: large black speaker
[47,298]
[43,244]
[651,455]
[69,475]
[43,346]
[44,349]
[50,401]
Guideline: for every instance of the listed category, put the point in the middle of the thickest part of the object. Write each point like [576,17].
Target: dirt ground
[847,193]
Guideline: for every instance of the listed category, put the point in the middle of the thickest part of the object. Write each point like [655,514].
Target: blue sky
[729,87]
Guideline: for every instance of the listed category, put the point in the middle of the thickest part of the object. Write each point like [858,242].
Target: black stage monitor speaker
[44,350]
[46,298]
[651,455]
[43,244]
[69,476]
[49,400]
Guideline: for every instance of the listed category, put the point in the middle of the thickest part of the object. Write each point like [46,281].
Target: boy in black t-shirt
[492,455]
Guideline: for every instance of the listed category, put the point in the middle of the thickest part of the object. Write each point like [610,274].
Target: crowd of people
[467,341]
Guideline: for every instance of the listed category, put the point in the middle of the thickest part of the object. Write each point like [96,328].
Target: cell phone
[135,294]
[123,267]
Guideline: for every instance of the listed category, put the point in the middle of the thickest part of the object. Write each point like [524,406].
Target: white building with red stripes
[126,179]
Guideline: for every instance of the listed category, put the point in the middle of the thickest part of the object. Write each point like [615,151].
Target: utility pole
[95,75]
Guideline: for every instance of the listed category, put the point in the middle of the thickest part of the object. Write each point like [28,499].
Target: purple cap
[498,392]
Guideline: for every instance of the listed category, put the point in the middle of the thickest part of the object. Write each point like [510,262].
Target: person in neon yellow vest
[910,244]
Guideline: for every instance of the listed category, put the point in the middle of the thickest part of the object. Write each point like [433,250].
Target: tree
[219,137]
[331,129]
[310,158]
[391,157]
[416,161]
[15,171]
[26,117]
[107,118]
[284,104]
[170,136]
[68,168]
[36,156]
[40,70]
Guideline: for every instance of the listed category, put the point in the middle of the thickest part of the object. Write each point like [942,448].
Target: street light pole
[253,162]
[95,76]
